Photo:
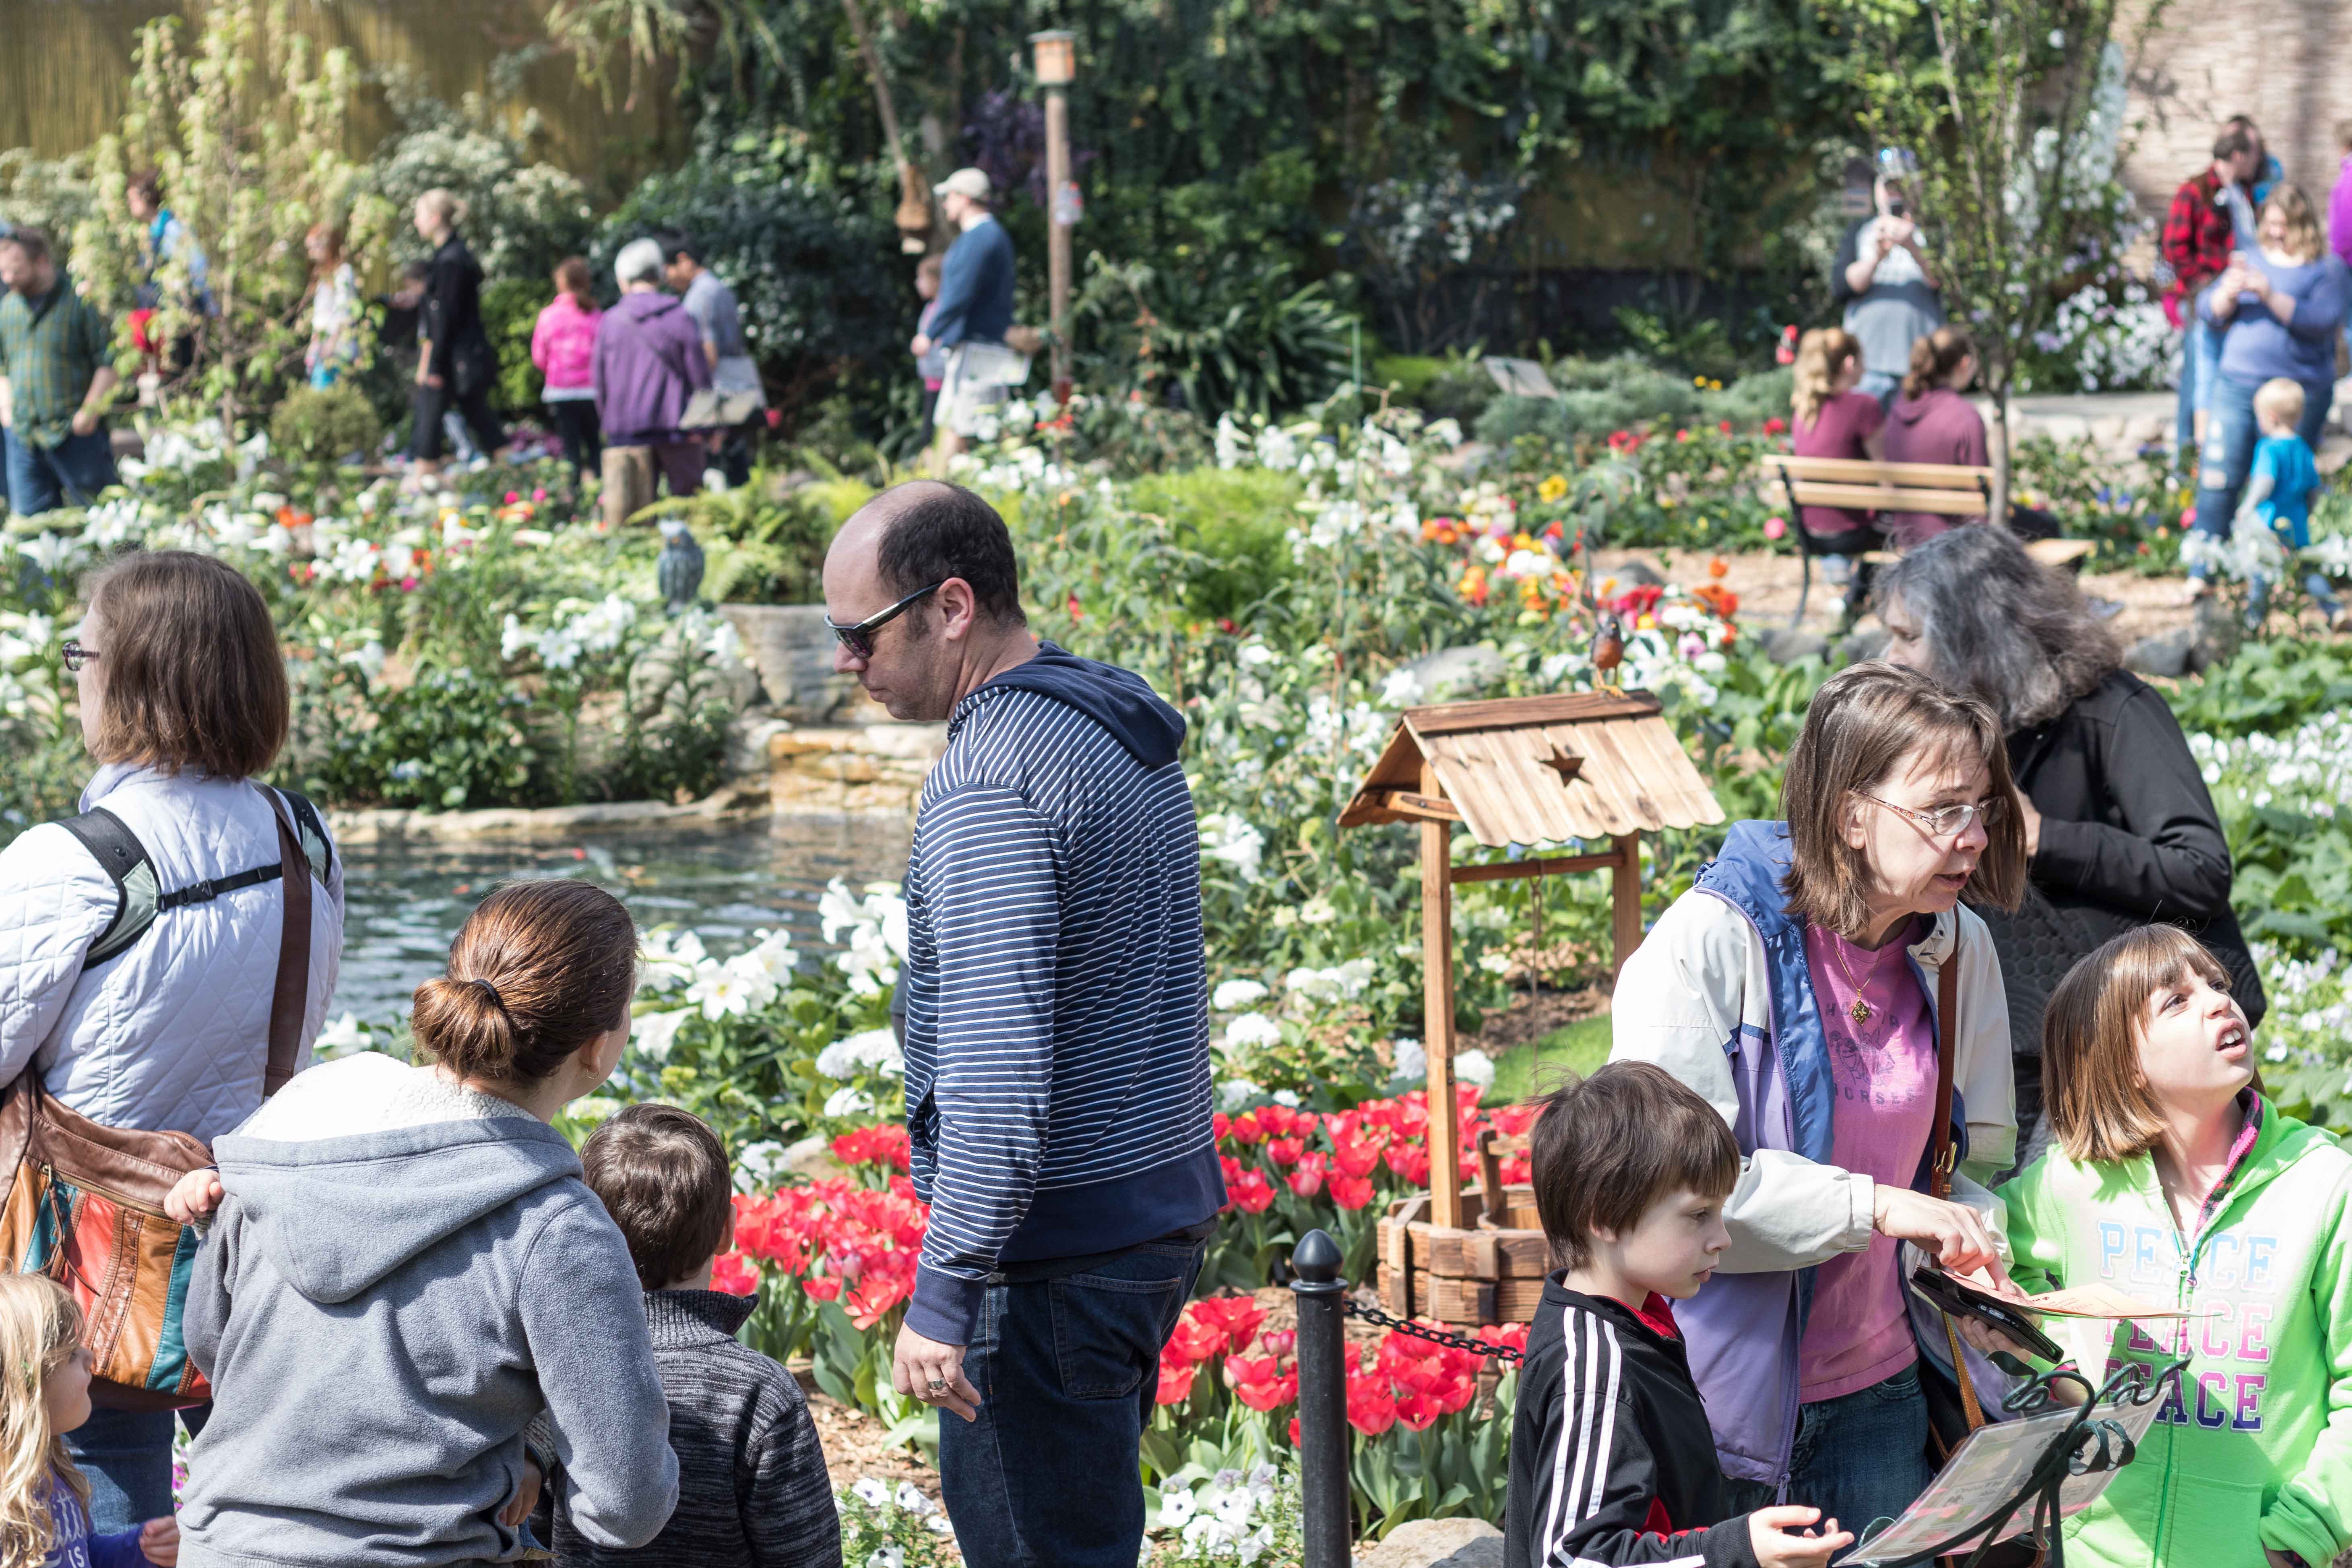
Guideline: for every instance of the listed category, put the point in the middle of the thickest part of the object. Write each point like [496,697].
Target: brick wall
[2287,63]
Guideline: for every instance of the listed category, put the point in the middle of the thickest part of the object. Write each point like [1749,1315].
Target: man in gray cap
[975,308]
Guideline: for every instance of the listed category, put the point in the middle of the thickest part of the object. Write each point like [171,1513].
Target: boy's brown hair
[2101,1108]
[1605,1149]
[1858,728]
[662,1174]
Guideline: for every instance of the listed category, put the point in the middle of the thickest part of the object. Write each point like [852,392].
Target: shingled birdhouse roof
[1538,770]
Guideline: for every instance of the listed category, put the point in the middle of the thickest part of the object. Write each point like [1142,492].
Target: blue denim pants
[71,473]
[2231,432]
[1050,1475]
[1859,1458]
[127,1456]
[2201,351]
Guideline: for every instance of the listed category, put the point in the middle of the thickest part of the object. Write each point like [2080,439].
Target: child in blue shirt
[2279,491]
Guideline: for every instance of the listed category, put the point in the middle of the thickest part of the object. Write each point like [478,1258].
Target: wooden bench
[1854,484]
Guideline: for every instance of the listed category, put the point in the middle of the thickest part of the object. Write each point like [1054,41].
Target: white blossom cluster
[579,628]
[1230,1517]
[2308,771]
[736,988]
[873,927]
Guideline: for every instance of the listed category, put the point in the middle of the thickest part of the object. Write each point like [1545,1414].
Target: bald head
[914,535]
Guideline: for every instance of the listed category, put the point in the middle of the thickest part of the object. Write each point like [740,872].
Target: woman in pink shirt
[1933,422]
[1831,419]
[563,347]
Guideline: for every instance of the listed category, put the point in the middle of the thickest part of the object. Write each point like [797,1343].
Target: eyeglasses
[77,655]
[1949,821]
[858,638]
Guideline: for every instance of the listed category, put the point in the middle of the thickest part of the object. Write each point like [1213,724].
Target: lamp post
[1055,56]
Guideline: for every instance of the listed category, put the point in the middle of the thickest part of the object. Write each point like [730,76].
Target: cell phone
[1898,209]
[1958,1299]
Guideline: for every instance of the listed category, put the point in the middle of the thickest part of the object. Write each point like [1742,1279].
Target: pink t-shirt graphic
[1885,1069]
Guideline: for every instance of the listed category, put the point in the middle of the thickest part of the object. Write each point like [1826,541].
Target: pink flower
[1775,527]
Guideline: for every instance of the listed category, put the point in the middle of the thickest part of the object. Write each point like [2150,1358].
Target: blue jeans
[2201,351]
[1068,1368]
[1859,1458]
[1881,384]
[126,1456]
[71,473]
[2231,432]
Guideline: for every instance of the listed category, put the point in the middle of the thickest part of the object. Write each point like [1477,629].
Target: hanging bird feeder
[1589,766]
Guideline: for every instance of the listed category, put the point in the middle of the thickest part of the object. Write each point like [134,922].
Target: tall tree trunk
[1999,441]
[914,216]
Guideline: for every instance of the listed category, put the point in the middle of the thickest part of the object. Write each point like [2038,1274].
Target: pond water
[404,902]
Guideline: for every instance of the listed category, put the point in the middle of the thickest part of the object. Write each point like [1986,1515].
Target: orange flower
[1717,567]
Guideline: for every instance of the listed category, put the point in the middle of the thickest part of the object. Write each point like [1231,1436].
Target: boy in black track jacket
[1612,1459]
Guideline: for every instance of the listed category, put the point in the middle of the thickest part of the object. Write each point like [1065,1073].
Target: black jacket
[1612,1458]
[751,1485]
[2129,836]
[450,319]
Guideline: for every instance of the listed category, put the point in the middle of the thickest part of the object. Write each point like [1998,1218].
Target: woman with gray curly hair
[2119,827]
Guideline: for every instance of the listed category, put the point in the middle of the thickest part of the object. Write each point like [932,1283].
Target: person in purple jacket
[2282,310]
[2339,207]
[649,363]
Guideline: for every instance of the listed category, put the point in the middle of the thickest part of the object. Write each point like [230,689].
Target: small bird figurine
[1608,652]
[679,572]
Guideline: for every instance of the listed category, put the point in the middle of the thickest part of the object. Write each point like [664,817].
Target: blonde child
[2279,491]
[1828,418]
[2175,1182]
[43,1394]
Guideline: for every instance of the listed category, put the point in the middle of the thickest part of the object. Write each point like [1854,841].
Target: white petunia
[912,1499]
[1176,1509]
[872,1492]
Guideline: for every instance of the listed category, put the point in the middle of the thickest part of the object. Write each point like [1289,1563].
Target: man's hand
[1956,1234]
[1897,231]
[85,420]
[159,1542]
[193,1196]
[921,345]
[526,1496]
[933,1372]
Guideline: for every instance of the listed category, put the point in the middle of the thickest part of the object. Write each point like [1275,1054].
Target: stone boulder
[1438,1543]
[1453,674]
[792,651]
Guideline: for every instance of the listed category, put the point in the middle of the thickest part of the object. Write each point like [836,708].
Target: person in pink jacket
[563,347]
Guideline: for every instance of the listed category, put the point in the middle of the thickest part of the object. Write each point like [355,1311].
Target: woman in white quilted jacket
[184,705]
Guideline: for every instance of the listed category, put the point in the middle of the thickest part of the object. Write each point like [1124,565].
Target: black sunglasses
[858,638]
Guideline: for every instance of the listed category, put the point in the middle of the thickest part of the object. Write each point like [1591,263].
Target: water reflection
[406,903]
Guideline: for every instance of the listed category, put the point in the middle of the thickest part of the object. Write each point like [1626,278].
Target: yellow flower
[1646,624]
[1552,488]
[1698,381]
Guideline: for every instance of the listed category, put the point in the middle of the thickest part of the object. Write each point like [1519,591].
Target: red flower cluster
[1415,1381]
[846,1243]
[1390,1132]
[735,1274]
[1217,1326]
[882,1144]
[1624,442]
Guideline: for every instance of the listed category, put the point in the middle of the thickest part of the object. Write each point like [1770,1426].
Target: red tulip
[1254,1193]
[1351,1193]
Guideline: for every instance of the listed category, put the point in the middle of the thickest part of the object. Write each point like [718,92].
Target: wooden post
[1625,898]
[1058,219]
[1437,1014]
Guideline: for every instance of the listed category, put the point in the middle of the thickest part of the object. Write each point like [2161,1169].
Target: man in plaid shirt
[2212,213]
[55,380]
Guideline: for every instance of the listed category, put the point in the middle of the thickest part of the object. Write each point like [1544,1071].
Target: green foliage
[511,308]
[522,216]
[1233,524]
[50,195]
[452,739]
[325,424]
[1456,386]
[1233,337]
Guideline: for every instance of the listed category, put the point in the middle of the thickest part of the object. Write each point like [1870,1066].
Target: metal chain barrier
[1379,1318]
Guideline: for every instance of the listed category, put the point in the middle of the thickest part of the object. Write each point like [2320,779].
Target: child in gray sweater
[752,1489]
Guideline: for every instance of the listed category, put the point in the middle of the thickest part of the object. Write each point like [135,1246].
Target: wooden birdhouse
[1589,766]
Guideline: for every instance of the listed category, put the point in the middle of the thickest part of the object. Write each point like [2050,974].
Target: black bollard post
[1322,1399]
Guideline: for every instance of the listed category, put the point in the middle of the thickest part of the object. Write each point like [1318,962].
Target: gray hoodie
[403,1274]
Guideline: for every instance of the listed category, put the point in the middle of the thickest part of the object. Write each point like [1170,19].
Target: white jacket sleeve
[54,901]
[1682,1002]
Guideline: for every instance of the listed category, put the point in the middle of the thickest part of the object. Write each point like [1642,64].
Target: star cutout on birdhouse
[1564,763]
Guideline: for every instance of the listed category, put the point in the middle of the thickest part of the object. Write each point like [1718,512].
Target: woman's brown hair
[333,246]
[1821,354]
[1934,357]
[538,971]
[190,676]
[1862,724]
[571,278]
[2305,241]
[2101,1108]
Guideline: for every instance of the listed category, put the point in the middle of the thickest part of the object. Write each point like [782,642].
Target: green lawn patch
[1537,1066]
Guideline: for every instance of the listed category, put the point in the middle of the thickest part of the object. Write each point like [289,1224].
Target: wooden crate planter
[1592,766]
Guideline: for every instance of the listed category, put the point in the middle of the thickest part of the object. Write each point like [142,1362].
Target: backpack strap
[123,858]
[316,848]
[290,998]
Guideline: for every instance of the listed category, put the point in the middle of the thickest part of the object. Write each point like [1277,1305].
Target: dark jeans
[126,1456]
[71,473]
[583,436]
[2231,432]
[1859,1458]
[1067,1370]
[432,402]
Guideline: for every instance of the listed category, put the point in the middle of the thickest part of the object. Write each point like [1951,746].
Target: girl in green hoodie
[2174,1181]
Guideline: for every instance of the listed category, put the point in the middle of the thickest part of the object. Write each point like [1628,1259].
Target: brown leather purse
[86,1204]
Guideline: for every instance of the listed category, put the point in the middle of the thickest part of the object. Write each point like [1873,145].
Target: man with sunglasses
[1056,1029]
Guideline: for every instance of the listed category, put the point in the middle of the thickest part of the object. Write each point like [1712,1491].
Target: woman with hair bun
[406,1270]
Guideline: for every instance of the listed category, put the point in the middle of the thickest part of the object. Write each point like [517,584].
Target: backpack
[138,896]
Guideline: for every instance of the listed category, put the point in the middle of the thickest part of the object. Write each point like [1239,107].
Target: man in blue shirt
[975,309]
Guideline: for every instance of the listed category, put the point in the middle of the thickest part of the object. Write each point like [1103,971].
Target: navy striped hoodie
[1056,990]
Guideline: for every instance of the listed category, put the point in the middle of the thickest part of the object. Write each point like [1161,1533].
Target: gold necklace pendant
[1859,1012]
